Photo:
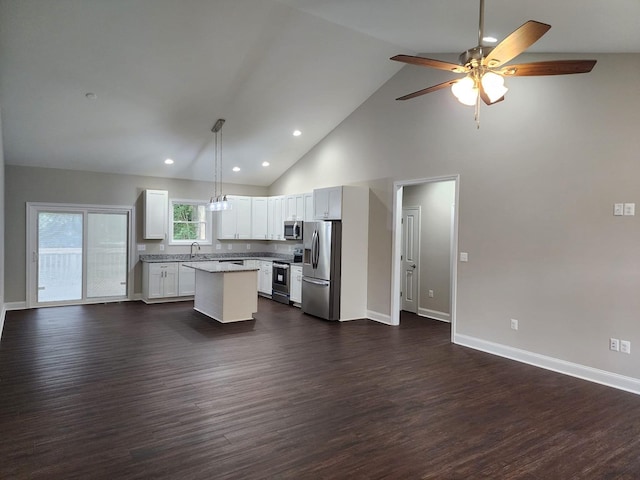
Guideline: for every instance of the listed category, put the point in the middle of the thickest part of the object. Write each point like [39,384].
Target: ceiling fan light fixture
[493,85]
[465,90]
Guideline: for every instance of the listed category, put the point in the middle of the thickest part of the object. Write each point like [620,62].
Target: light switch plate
[464,257]
[162,247]
[630,209]
[229,247]
[218,246]
[142,247]
[625,346]
[618,209]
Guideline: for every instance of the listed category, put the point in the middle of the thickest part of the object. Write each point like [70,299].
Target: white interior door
[410,258]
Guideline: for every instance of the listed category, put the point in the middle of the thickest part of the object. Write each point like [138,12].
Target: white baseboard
[379,317]
[621,382]
[15,306]
[442,316]
[2,314]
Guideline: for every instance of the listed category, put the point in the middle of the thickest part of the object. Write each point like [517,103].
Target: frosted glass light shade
[466,91]
[493,85]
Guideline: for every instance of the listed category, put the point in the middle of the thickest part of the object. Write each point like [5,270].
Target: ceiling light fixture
[265,164]
[218,201]
[168,161]
[236,169]
[297,133]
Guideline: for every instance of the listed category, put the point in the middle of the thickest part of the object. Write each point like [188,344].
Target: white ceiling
[164,71]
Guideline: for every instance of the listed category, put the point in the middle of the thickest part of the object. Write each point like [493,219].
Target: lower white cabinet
[295,289]
[186,281]
[264,277]
[159,280]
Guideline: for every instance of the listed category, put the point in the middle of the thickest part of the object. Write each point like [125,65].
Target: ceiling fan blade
[516,43]
[552,67]
[424,91]
[429,62]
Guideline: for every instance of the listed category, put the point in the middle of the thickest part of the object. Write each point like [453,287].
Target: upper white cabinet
[295,207]
[259,218]
[327,203]
[156,206]
[308,207]
[275,213]
[235,223]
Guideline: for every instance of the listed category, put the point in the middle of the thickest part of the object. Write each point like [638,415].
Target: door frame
[417,269]
[32,244]
[396,246]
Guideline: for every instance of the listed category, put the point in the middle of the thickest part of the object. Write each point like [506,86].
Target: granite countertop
[208,257]
[214,267]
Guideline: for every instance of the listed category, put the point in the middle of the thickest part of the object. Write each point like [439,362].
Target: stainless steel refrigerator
[321,269]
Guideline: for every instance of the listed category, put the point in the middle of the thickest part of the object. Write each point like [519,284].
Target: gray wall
[31,184]
[435,200]
[538,182]
[2,217]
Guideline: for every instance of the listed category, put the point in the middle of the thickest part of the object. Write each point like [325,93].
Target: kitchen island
[225,292]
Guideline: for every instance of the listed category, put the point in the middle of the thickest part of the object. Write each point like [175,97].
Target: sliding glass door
[78,254]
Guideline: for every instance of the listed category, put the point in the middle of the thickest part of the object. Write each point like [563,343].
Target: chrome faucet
[194,244]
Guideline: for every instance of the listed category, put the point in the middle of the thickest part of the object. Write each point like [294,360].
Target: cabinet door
[268,269]
[186,281]
[259,218]
[155,279]
[307,205]
[290,207]
[295,293]
[170,284]
[278,218]
[299,202]
[156,205]
[226,223]
[335,203]
[242,206]
[320,204]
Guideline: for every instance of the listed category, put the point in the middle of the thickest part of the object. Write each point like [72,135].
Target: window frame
[208,222]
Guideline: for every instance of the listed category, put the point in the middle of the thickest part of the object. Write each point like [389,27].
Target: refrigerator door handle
[315,249]
[323,283]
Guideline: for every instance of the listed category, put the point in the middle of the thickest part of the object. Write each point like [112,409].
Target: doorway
[410,258]
[77,254]
[447,271]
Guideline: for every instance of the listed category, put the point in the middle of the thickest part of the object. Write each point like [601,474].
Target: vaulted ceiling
[163,71]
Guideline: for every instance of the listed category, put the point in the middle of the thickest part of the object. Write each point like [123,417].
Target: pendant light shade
[218,201]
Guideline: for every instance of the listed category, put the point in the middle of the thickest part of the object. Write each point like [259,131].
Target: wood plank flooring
[134,391]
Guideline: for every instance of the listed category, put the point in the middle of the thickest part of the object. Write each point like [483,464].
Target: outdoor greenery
[189,222]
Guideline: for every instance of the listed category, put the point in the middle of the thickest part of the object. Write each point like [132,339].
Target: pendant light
[218,201]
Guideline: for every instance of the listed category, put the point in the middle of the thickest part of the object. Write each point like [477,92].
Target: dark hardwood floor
[132,391]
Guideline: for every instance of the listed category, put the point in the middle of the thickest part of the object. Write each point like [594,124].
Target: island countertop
[215,267]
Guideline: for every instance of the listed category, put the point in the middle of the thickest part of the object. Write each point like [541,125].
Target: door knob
[413,266]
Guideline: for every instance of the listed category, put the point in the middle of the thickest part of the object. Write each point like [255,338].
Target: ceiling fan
[485,67]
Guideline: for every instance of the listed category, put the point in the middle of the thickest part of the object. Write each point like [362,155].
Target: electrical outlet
[142,247]
[464,257]
[618,209]
[630,209]
[162,247]
[430,293]
[625,346]
[248,246]
[229,247]
[614,344]
[218,246]
[514,324]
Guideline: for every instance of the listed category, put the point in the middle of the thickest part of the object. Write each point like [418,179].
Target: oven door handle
[282,266]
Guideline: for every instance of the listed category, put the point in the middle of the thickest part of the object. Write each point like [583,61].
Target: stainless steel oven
[280,282]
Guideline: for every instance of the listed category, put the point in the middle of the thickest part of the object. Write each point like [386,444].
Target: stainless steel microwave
[293,230]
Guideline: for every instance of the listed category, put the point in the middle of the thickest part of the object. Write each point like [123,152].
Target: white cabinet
[156,205]
[295,289]
[259,218]
[275,214]
[186,281]
[327,203]
[294,207]
[308,207]
[159,280]
[264,277]
[235,223]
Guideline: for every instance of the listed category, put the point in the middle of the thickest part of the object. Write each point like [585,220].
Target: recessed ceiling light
[168,161]
[91,95]
[297,133]
[489,39]
[236,169]
[265,164]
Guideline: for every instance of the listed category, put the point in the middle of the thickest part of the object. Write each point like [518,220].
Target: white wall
[31,184]
[538,182]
